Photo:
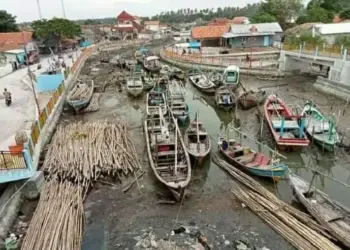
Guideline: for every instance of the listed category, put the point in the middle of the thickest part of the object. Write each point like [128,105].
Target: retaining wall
[332,87]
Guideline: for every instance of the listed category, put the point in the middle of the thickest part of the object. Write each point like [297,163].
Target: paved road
[22,112]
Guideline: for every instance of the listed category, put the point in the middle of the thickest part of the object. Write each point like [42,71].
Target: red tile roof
[125,16]
[14,40]
[239,19]
[202,32]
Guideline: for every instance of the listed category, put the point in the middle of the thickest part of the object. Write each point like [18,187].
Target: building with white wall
[330,31]
[152,25]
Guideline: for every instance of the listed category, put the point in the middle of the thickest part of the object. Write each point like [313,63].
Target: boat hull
[152,70]
[135,92]
[78,105]
[210,90]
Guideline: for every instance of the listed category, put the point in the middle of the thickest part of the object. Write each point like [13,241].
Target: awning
[232,35]
[194,45]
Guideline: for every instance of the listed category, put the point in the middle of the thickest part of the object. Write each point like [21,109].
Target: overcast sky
[27,10]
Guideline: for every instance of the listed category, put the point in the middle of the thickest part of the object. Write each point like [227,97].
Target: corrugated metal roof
[256,27]
[230,34]
[333,28]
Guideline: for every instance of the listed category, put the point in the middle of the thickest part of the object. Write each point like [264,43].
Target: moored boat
[216,77]
[149,82]
[251,98]
[151,63]
[231,77]
[201,81]
[320,128]
[167,155]
[287,129]
[79,97]
[141,53]
[247,159]
[156,101]
[165,70]
[134,85]
[224,98]
[178,74]
[331,214]
[197,140]
[177,103]
[161,85]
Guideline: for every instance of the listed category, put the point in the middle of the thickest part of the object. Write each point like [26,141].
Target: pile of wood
[57,223]
[82,152]
[81,91]
[295,226]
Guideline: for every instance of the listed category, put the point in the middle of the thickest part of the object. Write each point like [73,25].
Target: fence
[325,50]
[248,62]
[12,160]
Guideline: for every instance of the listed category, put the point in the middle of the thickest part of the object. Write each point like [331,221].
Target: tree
[314,14]
[7,22]
[345,14]
[59,27]
[343,40]
[262,17]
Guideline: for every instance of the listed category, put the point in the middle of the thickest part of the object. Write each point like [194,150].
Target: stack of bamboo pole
[295,226]
[57,223]
[81,91]
[82,152]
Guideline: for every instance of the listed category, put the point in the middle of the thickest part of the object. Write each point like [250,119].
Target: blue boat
[251,161]
[80,96]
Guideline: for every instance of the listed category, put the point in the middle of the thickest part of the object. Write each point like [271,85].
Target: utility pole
[63,9]
[29,74]
[39,9]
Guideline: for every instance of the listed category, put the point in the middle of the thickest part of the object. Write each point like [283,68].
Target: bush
[343,40]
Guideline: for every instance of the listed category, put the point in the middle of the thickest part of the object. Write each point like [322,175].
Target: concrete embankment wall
[332,87]
[208,67]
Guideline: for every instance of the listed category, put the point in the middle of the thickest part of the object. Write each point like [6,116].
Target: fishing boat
[247,159]
[231,77]
[224,98]
[161,85]
[149,82]
[141,53]
[156,101]
[215,77]
[134,85]
[287,129]
[197,140]
[177,103]
[331,214]
[131,64]
[177,74]
[320,129]
[167,155]
[151,63]
[165,70]
[79,97]
[251,98]
[201,81]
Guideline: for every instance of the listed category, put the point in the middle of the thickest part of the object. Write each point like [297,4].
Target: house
[240,20]
[152,25]
[330,31]
[146,34]
[16,40]
[252,35]
[209,36]
[164,29]
[127,26]
[219,22]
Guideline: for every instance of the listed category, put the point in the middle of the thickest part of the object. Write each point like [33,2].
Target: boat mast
[175,167]
[198,142]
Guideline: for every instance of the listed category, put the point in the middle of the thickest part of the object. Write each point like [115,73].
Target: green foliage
[345,14]
[7,22]
[59,27]
[315,14]
[91,22]
[306,38]
[262,17]
[343,40]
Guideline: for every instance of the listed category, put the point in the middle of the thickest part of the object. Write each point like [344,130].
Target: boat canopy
[194,45]
[232,68]
[152,58]
[143,50]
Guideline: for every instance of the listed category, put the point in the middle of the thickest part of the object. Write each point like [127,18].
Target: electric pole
[63,9]
[39,9]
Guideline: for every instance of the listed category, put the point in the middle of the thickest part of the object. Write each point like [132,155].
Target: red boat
[287,129]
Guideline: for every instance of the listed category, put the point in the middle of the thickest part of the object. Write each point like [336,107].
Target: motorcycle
[8,101]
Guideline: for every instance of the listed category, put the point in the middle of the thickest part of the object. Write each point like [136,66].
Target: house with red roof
[127,26]
[209,36]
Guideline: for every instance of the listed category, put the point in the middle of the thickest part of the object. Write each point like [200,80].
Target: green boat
[149,82]
[319,127]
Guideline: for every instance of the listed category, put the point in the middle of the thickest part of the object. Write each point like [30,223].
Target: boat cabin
[231,75]
[152,61]
[155,98]
[135,82]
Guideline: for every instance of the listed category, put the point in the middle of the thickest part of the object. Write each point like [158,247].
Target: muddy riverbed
[117,220]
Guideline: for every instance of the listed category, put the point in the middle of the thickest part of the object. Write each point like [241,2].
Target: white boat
[201,81]
[167,155]
[155,101]
[134,85]
[176,101]
[216,77]
[197,140]
[224,98]
[231,77]
[152,64]
[165,70]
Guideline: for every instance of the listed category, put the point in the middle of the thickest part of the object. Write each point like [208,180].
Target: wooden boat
[247,159]
[329,213]
[197,140]
[149,82]
[134,85]
[251,98]
[201,81]
[165,70]
[231,77]
[156,101]
[287,129]
[151,63]
[177,74]
[162,85]
[177,103]
[131,64]
[216,77]
[167,155]
[79,97]
[141,53]
[224,98]
[321,129]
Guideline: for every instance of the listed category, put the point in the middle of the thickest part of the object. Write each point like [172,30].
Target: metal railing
[12,160]
[325,50]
